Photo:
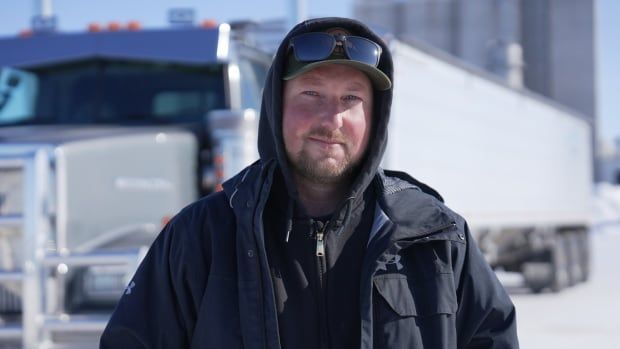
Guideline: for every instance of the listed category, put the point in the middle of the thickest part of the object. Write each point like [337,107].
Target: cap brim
[378,78]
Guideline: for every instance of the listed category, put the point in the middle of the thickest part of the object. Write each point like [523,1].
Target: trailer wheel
[573,257]
[537,275]
[551,270]
[583,244]
[560,263]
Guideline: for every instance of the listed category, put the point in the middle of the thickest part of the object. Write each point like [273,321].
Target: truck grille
[11,257]
[10,301]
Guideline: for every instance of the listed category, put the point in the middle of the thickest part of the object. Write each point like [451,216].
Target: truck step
[11,221]
[10,332]
[107,258]
[11,276]
[76,323]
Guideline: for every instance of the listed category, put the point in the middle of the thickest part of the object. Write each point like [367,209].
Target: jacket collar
[415,210]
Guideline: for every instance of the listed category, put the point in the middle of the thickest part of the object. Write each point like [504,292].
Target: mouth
[325,141]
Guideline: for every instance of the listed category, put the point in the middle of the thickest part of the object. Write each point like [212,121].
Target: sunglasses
[319,46]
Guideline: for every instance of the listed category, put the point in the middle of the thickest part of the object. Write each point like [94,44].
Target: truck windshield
[110,92]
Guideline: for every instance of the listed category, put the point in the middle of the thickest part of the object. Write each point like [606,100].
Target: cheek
[360,126]
[292,127]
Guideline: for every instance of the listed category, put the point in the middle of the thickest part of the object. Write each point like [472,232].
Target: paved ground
[584,316]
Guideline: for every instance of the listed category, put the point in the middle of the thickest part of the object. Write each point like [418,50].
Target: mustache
[324,133]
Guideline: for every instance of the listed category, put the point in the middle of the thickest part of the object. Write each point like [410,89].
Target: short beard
[320,171]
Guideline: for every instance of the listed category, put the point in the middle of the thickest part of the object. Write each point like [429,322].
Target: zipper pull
[319,227]
[320,244]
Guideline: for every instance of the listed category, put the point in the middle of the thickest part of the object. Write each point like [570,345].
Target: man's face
[327,116]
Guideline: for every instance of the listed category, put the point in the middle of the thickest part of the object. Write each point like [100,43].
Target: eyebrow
[356,86]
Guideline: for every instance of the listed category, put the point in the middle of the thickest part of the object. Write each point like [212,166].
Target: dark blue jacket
[205,282]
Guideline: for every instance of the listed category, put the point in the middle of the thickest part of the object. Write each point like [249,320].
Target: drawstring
[230,201]
[289,219]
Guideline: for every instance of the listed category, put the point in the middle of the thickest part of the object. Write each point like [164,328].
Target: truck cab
[165,78]
[104,136]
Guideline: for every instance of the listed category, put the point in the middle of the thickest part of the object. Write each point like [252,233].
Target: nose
[333,114]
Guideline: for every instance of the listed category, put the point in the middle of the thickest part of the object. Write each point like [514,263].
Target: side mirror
[234,135]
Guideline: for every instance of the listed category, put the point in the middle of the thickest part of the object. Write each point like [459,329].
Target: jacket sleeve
[486,316]
[158,307]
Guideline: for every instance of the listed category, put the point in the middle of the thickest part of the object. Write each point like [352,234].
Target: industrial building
[546,46]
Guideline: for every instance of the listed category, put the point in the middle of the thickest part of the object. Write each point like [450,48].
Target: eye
[351,98]
[310,93]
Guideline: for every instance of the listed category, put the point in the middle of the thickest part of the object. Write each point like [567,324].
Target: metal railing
[42,314]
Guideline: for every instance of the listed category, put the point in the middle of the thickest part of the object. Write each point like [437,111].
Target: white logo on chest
[392,259]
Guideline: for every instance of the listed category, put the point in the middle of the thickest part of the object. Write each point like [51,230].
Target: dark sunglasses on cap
[317,46]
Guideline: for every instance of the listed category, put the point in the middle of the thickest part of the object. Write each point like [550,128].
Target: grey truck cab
[104,135]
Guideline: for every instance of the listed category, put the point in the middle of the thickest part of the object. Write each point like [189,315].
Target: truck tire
[560,264]
[552,269]
[583,242]
[573,256]
[537,275]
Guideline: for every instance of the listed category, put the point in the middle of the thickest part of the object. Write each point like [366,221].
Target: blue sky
[77,14]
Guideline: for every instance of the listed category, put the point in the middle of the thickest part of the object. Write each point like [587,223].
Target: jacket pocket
[414,312]
[396,294]
[418,297]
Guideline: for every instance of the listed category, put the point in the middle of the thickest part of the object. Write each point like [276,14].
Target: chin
[321,168]
[323,171]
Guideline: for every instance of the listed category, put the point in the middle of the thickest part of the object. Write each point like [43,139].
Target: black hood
[270,141]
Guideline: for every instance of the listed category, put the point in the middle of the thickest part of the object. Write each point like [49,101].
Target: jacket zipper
[320,244]
[319,228]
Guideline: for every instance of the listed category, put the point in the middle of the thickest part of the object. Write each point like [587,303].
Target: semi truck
[106,134]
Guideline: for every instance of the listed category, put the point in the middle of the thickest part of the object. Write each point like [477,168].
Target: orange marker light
[165,220]
[26,33]
[114,26]
[209,23]
[134,26]
[94,27]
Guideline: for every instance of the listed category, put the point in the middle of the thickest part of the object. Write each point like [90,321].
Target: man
[314,246]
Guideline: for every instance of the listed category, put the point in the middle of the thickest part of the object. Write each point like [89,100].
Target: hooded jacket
[206,283]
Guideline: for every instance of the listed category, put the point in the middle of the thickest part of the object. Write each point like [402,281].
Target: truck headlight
[96,287]
[11,191]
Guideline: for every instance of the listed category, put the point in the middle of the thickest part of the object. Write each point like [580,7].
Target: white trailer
[516,165]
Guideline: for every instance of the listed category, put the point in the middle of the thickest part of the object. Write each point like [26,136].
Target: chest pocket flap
[418,297]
